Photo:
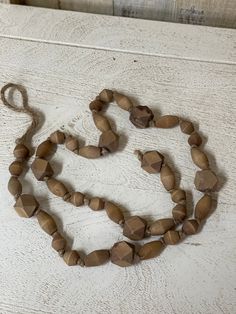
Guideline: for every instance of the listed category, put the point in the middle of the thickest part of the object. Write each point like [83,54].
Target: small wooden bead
[41,168]
[96,105]
[96,203]
[203,207]
[14,186]
[72,144]
[114,212]
[195,139]
[134,228]
[109,140]
[26,205]
[21,152]
[96,258]
[71,257]
[123,101]
[160,226]
[199,158]
[58,242]
[57,137]
[167,121]
[167,178]
[101,122]
[186,127]
[122,254]
[16,168]
[179,212]
[171,237]
[77,198]
[150,250]
[56,187]
[45,149]
[141,116]
[205,180]
[178,195]
[190,226]
[90,151]
[46,222]
[152,161]
[106,95]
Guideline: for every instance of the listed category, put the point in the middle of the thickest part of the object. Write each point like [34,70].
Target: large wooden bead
[199,158]
[45,149]
[134,228]
[106,95]
[21,152]
[190,226]
[152,161]
[58,242]
[179,212]
[203,207]
[178,195]
[167,121]
[150,250]
[77,198]
[195,139]
[96,258]
[96,105]
[46,222]
[109,140]
[123,101]
[72,144]
[171,237]
[96,203]
[122,254]
[16,168]
[71,257]
[101,122]
[57,187]
[205,180]
[141,116]
[14,186]
[26,205]
[114,212]
[186,127]
[57,137]
[160,226]
[90,152]
[167,178]
[41,168]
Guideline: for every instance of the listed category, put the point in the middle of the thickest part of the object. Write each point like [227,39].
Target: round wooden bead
[14,186]
[16,168]
[101,122]
[114,212]
[96,203]
[90,152]
[179,212]
[57,137]
[71,257]
[21,152]
[167,121]
[96,105]
[199,158]
[186,127]
[160,226]
[167,178]
[171,237]
[58,242]
[45,149]
[152,161]
[41,168]
[123,101]
[150,250]
[109,140]
[178,195]
[77,198]
[46,222]
[96,258]
[122,254]
[106,95]
[205,180]
[190,226]
[141,116]
[203,207]
[195,139]
[72,144]
[26,205]
[57,187]
[134,228]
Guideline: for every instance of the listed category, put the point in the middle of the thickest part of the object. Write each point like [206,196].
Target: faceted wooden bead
[57,137]
[186,127]
[152,161]
[150,250]
[71,257]
[96,203]
[123,101]
[96,105]
[122,254]
[199,158]
[72,144]
[171,237]
[26,205]
[167,121]
[46,222]
[58,242]
[14,186]
[96,258]
[160,226]
[114,212]
[90,151]
[77,198]
[41,168]
[16,168]
[179,212]
[195,139]
[109,140]
[203,207]
[45,149]
[141,116]
[167,178]
[106,95]
[134,228]
[21,152]
[101,122]
[190,226]
[57,187]
[178,195]
[205,180]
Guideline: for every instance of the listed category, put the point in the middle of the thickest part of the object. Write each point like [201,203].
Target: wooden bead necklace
[135,228]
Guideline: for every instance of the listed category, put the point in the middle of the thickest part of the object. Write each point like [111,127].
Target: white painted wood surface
[62,74]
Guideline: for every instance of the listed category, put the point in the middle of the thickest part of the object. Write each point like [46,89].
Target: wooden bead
[152,161]
[72,144]
[167,178]
[58,242]
[96,258]
[57,187]
[171,237]
[134,228]
[123,101]
[101,122]
[195,139]
[190,226]
[114,212]
[46,222]
[106,95]
[16,168]
[203,207]
[109,140]
[21,152]
[122,254]
[205,180]
[57,137]
[141,116]
[178,195]
[186,127]
[14,186]
[160,226]
[77,199]
[150,250]
[26,205]
[45,149]
[90,151]
[179,212]
[96,105]
[41,168]
[199,158]
[167,121]
[71,257]
[96,203]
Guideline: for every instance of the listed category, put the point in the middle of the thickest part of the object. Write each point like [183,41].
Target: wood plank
[89,6]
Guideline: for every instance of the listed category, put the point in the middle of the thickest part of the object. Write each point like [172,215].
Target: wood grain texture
[197,276]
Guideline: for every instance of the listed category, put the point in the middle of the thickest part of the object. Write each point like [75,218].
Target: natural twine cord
[24,109]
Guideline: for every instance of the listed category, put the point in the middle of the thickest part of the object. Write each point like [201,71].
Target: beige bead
[72,144]
[205,180]
[96,105]
[26,205]
[167,178]
[14,186]
[21,152]
[45,149]
[90,152]
[167,121]
[77,199]
[57,187]
[71,257]
[96,203]
[122,253]
[123,101]
[109,140]
[178,195]
[160,226]
[41,168]
[96,258]
[106,95]
[134,228]
[152,161]
[16,168]
[190,226]
[57,137]
[171,237]
[58,242]
[186,127]
[101,122]
[179,212]
[114,212]
[203,207]
[150,250]
[199,158]
[195,139]
[46,222]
